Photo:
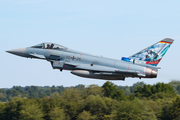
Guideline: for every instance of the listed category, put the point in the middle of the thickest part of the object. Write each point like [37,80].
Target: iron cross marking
[73,58]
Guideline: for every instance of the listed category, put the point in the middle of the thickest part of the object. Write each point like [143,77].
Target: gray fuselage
[59,57]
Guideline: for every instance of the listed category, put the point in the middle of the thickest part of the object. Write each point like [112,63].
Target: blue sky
[112,28]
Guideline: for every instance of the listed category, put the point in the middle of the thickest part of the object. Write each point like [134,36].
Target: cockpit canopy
[49,46]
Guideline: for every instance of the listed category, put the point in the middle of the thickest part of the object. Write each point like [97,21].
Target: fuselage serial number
[73,58]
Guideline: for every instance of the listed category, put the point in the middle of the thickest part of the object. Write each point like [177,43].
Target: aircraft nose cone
[19,52]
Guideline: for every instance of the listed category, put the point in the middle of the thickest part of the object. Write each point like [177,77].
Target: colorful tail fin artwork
[153,54]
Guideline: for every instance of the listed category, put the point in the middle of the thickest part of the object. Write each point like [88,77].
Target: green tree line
[108,102]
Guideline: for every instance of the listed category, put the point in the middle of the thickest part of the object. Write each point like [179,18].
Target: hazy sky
[112,28]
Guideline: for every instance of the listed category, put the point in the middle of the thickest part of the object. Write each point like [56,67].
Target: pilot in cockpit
[52,45]
[48,46]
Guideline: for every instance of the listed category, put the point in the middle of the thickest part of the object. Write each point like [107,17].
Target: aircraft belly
[95,75]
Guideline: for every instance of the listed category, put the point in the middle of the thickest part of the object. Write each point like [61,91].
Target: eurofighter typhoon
[140,65]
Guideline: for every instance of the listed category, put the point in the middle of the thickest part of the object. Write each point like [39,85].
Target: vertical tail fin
[153,54]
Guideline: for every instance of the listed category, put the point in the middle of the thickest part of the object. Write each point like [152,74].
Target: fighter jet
[140,65]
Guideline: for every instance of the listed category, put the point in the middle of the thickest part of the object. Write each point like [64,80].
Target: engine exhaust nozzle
[150,73]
